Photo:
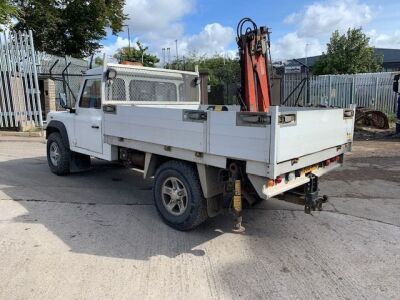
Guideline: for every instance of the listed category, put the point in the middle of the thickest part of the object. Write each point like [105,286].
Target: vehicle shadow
[107,211]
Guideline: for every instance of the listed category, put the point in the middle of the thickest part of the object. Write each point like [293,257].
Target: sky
[208,27]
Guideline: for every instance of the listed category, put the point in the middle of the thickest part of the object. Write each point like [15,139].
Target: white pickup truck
[152,120]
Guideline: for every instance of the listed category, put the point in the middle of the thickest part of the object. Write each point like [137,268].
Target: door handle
[95,126]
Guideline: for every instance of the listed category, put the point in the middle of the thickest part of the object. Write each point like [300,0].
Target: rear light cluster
[292,175]
[271,182]
[332,160]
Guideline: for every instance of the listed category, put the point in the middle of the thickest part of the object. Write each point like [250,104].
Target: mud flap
[79,162]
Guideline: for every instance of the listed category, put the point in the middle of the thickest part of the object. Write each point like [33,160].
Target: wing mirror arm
[63,102]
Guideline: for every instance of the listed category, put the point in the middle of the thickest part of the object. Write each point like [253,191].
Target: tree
[7,12]
[64,27]
[98,61]
[223,75]
[349,53]
[220,69]
[137,54]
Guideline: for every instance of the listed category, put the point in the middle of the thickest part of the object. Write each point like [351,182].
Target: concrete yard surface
[97,235]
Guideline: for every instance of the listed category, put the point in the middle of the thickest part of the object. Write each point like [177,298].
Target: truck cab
[83,120]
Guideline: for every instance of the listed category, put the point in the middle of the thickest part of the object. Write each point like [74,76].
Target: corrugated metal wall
[368,90]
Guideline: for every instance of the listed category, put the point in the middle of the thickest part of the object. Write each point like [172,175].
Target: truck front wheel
[58,156]
[178,195]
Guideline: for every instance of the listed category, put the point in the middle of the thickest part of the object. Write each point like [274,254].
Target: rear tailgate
[312,131]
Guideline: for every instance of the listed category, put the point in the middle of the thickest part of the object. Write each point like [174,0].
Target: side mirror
[111,74]
[62,100]
[196,81]
[396,84]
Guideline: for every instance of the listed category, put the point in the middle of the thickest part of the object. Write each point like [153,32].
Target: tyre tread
[63,167]
[197,215]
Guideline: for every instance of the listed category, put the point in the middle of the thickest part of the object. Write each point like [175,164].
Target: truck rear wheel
[58,156]
[178,195]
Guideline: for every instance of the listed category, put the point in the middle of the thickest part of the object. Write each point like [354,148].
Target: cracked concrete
[97,235]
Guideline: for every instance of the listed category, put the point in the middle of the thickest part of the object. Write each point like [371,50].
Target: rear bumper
[270,192]
[260,183]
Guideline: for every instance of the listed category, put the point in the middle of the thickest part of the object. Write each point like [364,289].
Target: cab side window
[143,90]
[91,95]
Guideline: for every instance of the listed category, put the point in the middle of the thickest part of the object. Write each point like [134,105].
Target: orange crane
[254,46]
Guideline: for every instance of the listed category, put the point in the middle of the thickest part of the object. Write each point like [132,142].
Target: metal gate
[19,88]
[373,90]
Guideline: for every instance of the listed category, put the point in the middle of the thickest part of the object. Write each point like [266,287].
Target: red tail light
[278,179]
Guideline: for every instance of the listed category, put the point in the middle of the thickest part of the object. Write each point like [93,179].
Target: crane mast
[253,46]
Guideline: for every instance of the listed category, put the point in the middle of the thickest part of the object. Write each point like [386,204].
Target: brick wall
[49,95]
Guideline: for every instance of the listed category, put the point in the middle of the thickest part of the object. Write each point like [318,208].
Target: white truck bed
[269,148]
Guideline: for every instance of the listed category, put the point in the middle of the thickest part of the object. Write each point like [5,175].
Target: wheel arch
[152,162]
[209,176]
[57,126]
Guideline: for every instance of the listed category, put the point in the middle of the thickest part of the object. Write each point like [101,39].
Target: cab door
[89,117]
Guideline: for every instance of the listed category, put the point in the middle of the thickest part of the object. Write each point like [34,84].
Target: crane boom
[253,45]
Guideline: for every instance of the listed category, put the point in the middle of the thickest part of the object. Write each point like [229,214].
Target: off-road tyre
[196,208]
[62,166]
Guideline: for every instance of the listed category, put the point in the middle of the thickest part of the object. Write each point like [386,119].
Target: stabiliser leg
[237,198]
[237,208]
[312,199]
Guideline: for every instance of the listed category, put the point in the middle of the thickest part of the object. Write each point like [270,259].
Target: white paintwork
[287,186]
[142,70]
[129,72]
[87,136]
[181,105]
[155,125]
[159,128]
[320,129]
[240,142]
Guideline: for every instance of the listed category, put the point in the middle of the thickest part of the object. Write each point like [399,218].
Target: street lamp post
[176,47]
[307,53]
[163,53]
[129,41]
[169,57]
[308,76]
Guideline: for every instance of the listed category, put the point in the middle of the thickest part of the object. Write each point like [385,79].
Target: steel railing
[368,90]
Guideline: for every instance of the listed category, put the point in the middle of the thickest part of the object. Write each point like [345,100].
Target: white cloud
[321,18]
[383,40]
[151,16]
[292,46]
[315,24]
[214,38]
[158,23]
[120,42]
